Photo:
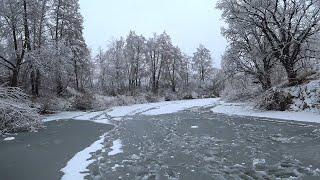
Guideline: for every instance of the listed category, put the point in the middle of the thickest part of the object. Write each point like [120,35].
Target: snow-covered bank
[166,107]
[159,108]
[79,163]
[241,109]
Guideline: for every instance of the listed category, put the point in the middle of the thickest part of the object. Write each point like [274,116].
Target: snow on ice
[116,148]
[80,162]
[241,109]
[9,138]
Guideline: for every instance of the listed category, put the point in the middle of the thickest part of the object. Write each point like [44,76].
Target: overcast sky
[188,22]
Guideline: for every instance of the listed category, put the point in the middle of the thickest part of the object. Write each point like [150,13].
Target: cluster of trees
[271,40]
[42,51]
[42,48]
[136,64]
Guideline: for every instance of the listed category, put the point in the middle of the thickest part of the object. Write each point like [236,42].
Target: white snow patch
[161,107]
[9,138]
[97,117]
[258,161]
[116,148]
[194,127]
[145,109]
[241,109]
[63,115]
[80,162]
[121,111]
[114,168]
[89,116]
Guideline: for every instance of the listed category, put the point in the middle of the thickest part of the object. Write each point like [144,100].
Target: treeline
[42,48]
[271,42]
[42,51]
[136,64]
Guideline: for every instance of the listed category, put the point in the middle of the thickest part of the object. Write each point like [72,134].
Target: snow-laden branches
[286,26]
[15,111]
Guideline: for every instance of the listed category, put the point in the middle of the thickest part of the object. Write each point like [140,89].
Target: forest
[46,65]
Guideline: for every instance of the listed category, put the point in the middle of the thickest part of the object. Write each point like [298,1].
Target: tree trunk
[266,82]
[292,75]
[14,78]
[33,83]
[37,82]
[26,27]
[76,74]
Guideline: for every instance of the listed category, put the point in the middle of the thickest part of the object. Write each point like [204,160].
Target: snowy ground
[241,109]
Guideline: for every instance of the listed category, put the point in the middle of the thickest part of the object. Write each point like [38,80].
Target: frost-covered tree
[250,53]
[113,68]
[288,26]
[12,18]
[29,29]
[135,56]
[155,62]
[202,64]
[133,65]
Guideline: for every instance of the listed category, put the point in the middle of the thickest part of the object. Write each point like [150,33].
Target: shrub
[16,113]
[52,104]
[275,99]
[83,102]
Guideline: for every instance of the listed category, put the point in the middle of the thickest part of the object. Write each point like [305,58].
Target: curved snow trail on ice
[79,163]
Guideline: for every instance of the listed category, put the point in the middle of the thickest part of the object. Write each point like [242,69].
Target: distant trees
[43,51]
[264,31]
[139,64]
[42,41]
[202,63]
[134,52]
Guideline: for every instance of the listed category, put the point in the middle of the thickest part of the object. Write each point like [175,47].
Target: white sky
[188,22]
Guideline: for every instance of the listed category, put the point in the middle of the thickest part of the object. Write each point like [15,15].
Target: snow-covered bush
[275,99]
[239,88]
[83,102]
[49,104]
[16,113]
[304,97]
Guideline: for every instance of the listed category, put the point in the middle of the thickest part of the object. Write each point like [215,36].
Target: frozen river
[185,145]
